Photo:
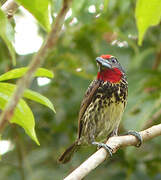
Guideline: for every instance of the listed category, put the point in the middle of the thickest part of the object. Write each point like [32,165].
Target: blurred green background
[91,28]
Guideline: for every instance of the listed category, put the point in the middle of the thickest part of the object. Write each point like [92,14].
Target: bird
[102,107]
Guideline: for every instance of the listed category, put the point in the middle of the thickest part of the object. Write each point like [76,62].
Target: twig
[115,143]
[36,62]
[10,7]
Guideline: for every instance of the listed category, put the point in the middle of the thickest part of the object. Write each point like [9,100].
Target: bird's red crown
[106,56]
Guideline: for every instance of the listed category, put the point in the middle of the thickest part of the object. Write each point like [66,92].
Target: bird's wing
[86,101]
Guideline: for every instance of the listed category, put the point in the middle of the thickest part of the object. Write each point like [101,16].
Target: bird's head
[109,69]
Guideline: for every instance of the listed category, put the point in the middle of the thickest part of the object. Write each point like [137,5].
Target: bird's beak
[103,62]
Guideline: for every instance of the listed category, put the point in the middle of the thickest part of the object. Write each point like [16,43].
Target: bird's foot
[137,135]
[105,146]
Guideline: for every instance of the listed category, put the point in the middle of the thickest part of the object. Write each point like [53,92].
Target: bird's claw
[137,135]
[105,146]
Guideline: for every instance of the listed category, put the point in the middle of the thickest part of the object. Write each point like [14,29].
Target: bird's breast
[104,112]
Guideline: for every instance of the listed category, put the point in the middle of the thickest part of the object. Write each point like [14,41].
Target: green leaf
[23,116]
[32,95]
[148,13]
[5,27]
[39,98]
[19,72]
[39,9]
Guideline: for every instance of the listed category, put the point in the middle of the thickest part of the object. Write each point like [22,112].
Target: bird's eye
[113,60]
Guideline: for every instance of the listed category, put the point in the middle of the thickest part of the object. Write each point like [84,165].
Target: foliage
[7,35]
[148,13]
[22,109]
[39,9]
[93,28]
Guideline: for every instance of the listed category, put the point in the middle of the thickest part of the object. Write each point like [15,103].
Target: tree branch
[115,143]
[10,7]
[36,62]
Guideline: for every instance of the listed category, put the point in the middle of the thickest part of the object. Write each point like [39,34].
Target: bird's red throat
[112,75]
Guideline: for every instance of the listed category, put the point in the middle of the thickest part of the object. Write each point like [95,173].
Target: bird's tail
[66,156]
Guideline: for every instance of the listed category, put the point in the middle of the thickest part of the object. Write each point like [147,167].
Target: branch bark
[10,7]
[115,143]
[36,62]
